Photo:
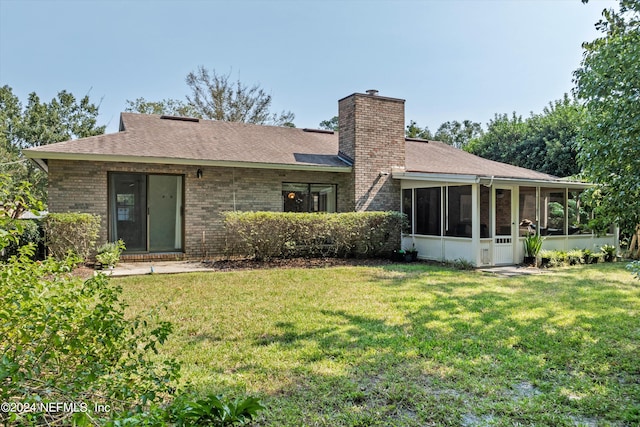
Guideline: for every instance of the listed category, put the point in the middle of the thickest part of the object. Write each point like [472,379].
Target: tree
[458,134]
[216,97]
[415,131]
[608,84]
[498,142]
[40,123]
[169,107]
[545,142]
[331,124]
[550,145]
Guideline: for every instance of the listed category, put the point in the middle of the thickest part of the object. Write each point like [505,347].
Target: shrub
[575,256]
[634,267]
[532,245]
[109,254]
[28,232]
[609,252]
[68,341]
[212,410]
[265,235]
[71,232]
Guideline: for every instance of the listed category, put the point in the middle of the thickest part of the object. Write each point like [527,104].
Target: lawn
[408,345]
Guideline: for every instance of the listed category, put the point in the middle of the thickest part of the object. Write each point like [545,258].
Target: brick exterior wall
[82,186]
[372,135]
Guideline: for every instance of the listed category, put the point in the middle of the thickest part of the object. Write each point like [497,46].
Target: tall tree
[40,123]
[545,142]
[458,134]
[608,83]
[170,107]
[550,145]
[499,141]
[216,97]
[415,131]
[331,124]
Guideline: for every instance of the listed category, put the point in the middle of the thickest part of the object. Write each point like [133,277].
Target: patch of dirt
[83,272]
[250,264]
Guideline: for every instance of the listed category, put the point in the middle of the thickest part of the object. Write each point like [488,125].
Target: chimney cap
[372,92]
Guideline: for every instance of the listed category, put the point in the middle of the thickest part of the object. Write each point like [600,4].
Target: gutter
[487,180]
[41,157]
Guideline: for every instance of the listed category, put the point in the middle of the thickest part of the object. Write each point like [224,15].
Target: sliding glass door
[146,211]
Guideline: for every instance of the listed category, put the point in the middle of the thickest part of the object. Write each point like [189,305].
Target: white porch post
[475,224]
[518,250]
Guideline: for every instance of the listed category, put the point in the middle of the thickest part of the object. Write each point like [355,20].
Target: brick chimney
[372,137]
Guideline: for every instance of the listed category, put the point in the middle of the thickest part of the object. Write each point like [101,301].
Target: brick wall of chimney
[372,135]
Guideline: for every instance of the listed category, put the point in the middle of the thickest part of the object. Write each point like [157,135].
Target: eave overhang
[487,180]
[40,158]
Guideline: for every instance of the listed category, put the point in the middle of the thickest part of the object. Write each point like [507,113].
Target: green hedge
[75,232]
[265,235]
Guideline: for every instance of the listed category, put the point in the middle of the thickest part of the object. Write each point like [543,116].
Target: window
[485,211]
[528,217]
[579,213]
[552,207]
[459,211]
[299,197]
[407,209]
[428,212]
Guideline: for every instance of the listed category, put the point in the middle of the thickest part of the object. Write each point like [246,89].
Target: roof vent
[319,131]
[416,139]
[372,92]
[180,118]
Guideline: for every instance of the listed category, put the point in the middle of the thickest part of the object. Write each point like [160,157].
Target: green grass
[410,345]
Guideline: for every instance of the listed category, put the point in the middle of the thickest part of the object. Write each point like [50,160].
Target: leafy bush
[65,342]
[28,232]
[68,341]
[15,198]
[189,410]
[71,232]
[265,235]
[609,252]
[213,410]
[575,256]
[532,244]
[109,254]
[591,257]
[634,267]
[552,258]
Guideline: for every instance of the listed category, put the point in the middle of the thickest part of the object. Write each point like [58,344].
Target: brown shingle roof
[437,157]
[150,136]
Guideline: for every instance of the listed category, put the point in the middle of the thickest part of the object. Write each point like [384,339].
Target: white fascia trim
[474,179]
[535,183]
[38,157]
[436,177]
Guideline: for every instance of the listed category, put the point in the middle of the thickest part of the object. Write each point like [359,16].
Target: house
[162,182]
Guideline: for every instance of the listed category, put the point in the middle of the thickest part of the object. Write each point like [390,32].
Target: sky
[449,59]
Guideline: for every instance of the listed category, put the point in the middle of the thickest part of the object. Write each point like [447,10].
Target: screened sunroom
[485,222]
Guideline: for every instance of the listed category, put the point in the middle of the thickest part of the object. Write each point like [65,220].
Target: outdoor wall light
[199,173]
